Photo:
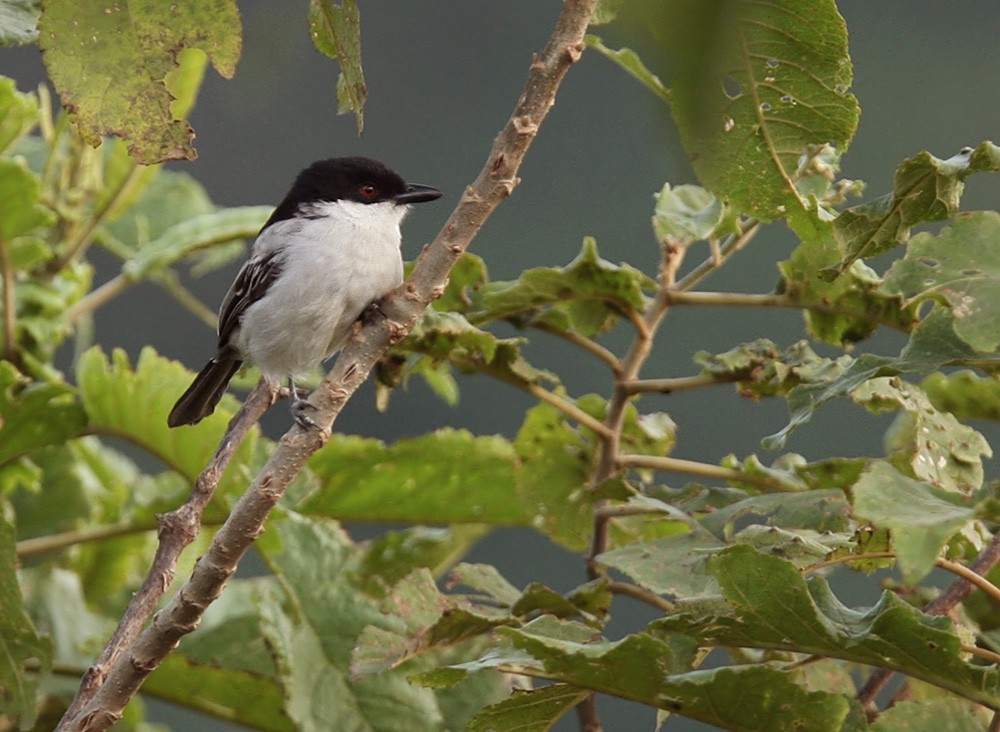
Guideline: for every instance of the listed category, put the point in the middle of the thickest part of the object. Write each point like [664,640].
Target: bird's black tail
[205,391]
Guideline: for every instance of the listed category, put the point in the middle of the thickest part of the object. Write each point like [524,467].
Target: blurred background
[442,78]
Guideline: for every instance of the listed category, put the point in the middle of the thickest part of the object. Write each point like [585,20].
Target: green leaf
[553,478]
[200,232]
[946,714]
[110,67]
[312,641]
[964,394]
[614,289]
[26,655]
[672,565]
[921,517]
[239,697]
[20,195]
[629,60]
[167,199]
[686,213]
[926,189]
[35,414]
[465,278]
[19,22]
[767,604]
[754,86]
[929,445]
[448,476]
[133,404]
[532,710]
[960,267]
[844,309]
[18,112]
[336,32]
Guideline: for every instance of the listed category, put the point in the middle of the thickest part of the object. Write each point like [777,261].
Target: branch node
[471,195]
[524,126]
[575,51]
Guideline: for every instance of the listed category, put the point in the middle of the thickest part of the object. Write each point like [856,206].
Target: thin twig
[177,529]
[679,383]
[55,542]
[638,593]
[566,407]
[704,470]
[402,308]
[731,246]
[587,344]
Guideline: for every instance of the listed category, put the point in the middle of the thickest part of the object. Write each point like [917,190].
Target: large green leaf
[312,633]
[754,85]
[926,189]
[766,603]
[133,404]
[961,267]
[920,516]
[448,476]
[336,31]
[24,654]
[21,209]
[109,65]
[531,710]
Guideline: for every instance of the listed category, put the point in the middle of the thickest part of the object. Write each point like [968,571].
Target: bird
[329,250]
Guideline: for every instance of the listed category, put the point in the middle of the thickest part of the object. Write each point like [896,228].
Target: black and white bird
[331,248]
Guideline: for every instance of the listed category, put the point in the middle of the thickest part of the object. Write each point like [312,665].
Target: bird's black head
[349,179]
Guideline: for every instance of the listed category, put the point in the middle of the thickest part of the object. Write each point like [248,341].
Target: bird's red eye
[368,191]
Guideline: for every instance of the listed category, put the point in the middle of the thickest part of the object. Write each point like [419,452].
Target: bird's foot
[300,407]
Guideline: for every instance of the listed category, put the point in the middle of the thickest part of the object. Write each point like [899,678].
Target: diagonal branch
[246,521]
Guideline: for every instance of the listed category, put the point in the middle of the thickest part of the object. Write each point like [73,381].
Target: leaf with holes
[755,85]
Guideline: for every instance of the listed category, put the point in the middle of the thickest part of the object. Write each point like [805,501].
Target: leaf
[531,710]
[921,517]
[316,564]
[26,655]
[18,112]
[686,213]
[844,309]
[614,290]
[199,232]
[21,209]
[133,404]
[964,394]
[754,86]
[34,414]
[553,478]
[767,604]
[672,565]
[238,697]
[19,23]
[448,476]
[946,714]
[933,343]
[926,189]
[929,445]
[336,31]
[110,67]
[629,60]
[817,510]
[464,279]
[960,267]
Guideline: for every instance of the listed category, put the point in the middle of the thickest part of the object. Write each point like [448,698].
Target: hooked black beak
[416,193]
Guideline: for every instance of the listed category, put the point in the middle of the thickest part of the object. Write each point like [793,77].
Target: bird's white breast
[332,267]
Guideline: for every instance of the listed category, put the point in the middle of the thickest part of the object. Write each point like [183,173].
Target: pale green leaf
[533,710]
[686,213]
[629,60]
[18,112]
[920,517]
[19,22]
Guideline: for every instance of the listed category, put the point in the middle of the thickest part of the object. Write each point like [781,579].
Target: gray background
[443,77]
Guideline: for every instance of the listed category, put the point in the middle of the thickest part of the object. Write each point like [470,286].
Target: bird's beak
[416,193]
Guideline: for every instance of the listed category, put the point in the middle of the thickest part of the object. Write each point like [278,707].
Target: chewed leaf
[336,31]
[110,64]
[960,266]
[750,96]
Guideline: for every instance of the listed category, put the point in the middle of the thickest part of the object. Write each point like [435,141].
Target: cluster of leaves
[345,634]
